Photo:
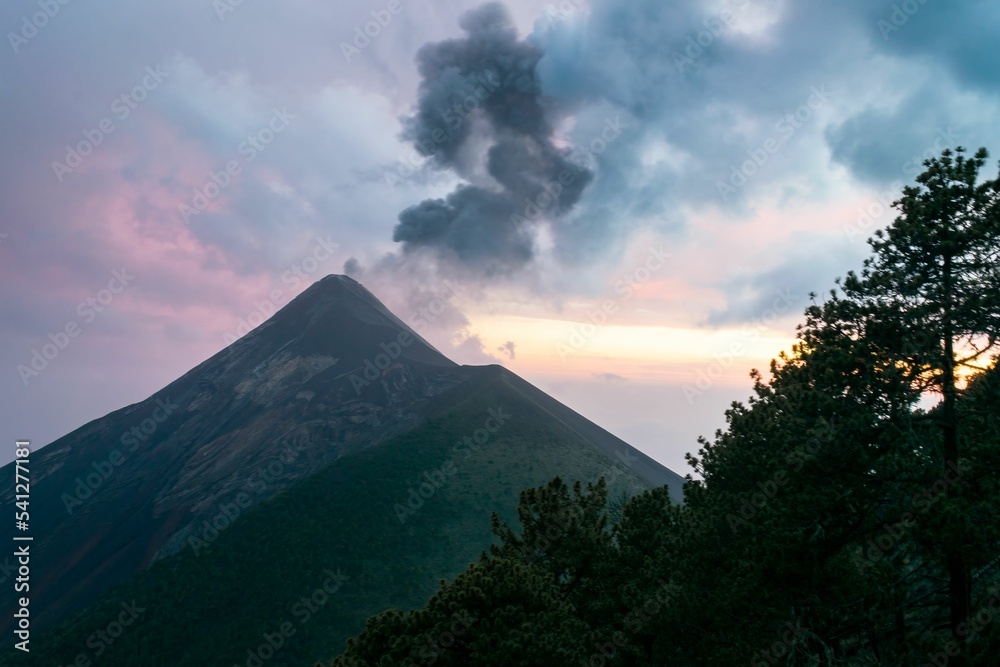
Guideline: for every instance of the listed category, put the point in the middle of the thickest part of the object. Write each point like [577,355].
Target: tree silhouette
[931,294]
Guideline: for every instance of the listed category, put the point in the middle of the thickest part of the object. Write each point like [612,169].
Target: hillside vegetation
[834,522]
[300,574]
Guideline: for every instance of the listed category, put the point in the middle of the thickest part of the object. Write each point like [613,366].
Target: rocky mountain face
[330,375]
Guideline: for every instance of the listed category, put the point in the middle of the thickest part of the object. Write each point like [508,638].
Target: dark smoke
[483,89]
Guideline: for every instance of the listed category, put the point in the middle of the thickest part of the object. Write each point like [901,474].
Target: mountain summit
[337,315]
[331,377]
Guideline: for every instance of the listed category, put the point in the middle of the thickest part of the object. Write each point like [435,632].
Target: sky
[627,203]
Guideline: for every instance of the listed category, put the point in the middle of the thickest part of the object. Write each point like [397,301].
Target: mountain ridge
[332,373]
[395,519]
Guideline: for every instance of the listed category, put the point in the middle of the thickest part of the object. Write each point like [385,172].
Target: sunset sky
[181,164]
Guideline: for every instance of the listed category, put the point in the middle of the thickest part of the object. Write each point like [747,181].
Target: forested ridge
[846,515]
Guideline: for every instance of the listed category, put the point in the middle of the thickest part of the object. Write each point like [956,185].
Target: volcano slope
[328,465]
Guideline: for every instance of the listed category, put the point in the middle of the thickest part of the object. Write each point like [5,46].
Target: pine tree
[931,294]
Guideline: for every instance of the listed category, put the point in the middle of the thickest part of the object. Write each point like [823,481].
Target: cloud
[480,99]
[960,35]
[352,268]
[508,349]
[530,103]
[469,349]
[609,377]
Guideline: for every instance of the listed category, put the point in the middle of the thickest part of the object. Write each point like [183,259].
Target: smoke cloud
[480,97]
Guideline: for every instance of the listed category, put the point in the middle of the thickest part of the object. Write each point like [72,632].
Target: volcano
[331,438]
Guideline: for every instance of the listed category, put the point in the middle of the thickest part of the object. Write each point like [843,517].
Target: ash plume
[482,115]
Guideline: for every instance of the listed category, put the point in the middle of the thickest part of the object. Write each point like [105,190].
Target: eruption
[481,94]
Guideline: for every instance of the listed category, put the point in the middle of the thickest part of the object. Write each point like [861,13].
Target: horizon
[677,193]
